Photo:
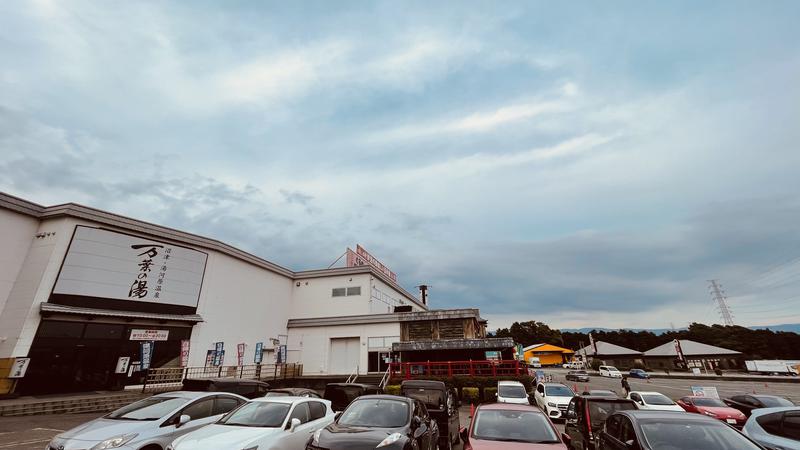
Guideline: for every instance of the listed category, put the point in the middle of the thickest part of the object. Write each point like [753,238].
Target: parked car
[574,365]
[747,403]
[600,393]
[609,371]
[654,400]
[385,421]
[508,426]
[553,399]
[654,430]
[293,392]
[775,428]
[263,423]
[341,394]
[638,373]
[713,407]
[243,387]
[586,415]
[512,392]
[441,401]
[577,375]
[153,421]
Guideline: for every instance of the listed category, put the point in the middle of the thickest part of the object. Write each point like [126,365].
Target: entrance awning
[53,308]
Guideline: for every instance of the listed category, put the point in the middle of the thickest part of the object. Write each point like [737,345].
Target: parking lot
[33,432]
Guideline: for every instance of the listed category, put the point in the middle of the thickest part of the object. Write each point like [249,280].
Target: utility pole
[718,295]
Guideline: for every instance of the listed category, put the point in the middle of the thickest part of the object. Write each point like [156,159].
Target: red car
[506,426]
[713,407]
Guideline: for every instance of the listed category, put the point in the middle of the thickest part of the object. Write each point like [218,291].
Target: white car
[654,401]
[152,422]
[553,399]
[610,371]
[775,427]
[263,423]
[512,392]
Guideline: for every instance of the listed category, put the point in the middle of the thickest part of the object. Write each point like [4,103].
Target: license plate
[733,421]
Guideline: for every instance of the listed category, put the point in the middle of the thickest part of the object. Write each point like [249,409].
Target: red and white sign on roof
[361,257]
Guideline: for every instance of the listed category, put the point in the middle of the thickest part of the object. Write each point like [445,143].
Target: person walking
[626,386]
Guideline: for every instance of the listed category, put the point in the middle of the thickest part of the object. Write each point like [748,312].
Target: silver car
[149,424]
[776,428]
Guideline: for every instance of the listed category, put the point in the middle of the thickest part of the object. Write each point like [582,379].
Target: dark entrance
[378,361]
[81,356]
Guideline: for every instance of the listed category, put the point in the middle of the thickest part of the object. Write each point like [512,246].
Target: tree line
[755,344]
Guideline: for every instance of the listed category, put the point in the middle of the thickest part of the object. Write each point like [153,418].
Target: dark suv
[586,415]
[243,387]
[441,401]
[341,394]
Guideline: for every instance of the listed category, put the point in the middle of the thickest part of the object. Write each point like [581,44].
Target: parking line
[14,444]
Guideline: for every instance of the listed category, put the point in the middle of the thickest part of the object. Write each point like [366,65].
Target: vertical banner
[259,353]
[210,358]
[283,354]
[219,352]
[184,352]
[240,354]
[146,348]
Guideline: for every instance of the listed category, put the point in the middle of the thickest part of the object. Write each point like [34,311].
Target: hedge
[392,389]
[469,395]
[489,395]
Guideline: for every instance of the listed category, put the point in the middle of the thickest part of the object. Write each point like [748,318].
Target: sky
[581,164]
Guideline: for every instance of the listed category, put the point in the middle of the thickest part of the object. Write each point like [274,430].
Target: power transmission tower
[718,295]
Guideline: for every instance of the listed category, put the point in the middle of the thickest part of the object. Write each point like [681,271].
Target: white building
[79,286]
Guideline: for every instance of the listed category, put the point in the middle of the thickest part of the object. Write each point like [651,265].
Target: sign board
[219,353]
[493,355]
[19,367]
[361,257]
[106,264]
[184,352]
[123,362]
[240,354]
[146,349]
[282,354]
[520,352]
[149,335]
[210,358]
[259,356]
[701,391]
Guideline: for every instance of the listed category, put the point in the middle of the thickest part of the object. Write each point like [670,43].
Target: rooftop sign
[361,257]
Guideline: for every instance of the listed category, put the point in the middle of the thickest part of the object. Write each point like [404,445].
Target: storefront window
[104,331]
[56,329]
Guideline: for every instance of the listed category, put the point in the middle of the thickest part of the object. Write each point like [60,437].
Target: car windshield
[513,426]
[558,391]
[376,413]
[257,414]
[774,402]
[684,435]
[277,394]
[433,398]
[343,394]
[657,399]
[600,410]
[612,369]
[152,408]
[709,402]
[509,391]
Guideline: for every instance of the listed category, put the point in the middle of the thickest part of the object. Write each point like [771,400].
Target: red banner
[361,257]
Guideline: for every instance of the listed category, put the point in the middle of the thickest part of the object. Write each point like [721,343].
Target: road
[33,432]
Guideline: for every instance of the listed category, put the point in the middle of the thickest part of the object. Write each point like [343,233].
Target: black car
[600,393]
[243,387]
[650,430]
[341,394]
[747,403]
[577,375]
[586,415]
[388,422]
[294,392]
[441,401]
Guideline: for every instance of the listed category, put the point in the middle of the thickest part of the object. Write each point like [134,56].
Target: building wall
[314,297]
[311,346]
[16,236]
[385,298]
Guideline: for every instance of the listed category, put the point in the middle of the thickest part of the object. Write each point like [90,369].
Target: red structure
[409,370]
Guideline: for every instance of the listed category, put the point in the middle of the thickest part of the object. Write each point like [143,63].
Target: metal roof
[606,349]
[689,348]
[64,309]
[453,344]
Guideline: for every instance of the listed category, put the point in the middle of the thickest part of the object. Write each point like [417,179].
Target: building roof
[362,319]
[549,348]
[606,349]
[51,308]
[454,344]
[689,348]
[75,210]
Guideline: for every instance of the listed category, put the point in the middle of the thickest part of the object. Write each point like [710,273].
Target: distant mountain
[790,327]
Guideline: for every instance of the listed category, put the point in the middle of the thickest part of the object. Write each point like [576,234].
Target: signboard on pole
[240,354]
[149,335]
[282,354]
[219,353]
[259,355]
[184,352]
[146,348]
[361,257]
[493,355]
[210,357]
[705,391]
[19,367]
[122,364]
[520,352]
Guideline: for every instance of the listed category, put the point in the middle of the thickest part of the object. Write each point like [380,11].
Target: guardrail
[171,378]
[409,370]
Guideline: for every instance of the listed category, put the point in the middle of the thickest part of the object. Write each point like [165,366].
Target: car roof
[383,397]
[554,384]
[287,399]
[762,411]
[190,394]
[292,389]
[661,415]
[647,393]
[226,380]
[424,383]
[509,383]
[510,406]
[361,385]
[766,396]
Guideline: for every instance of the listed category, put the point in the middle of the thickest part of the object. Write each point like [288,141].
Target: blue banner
[146,349]
[219,353]
[259,353]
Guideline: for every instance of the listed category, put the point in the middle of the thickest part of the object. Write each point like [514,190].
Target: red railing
[409,370]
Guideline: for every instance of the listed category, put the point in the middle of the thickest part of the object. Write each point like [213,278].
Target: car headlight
[115,442]
[391,439]
[552,405]
[710,414]
[315,439]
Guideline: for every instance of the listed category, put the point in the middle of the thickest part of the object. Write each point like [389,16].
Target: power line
[718,295]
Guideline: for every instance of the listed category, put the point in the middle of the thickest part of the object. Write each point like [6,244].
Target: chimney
[423,293]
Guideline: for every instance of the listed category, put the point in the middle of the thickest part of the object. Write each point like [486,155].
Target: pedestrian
[626,386]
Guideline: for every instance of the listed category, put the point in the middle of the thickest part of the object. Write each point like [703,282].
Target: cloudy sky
[585,165]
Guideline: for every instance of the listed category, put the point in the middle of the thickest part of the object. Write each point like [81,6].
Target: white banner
[105,264]
[705,391]
[149,335]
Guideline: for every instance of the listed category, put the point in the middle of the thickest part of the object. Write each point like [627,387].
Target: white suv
[553,399]
[512,392]
[610,371]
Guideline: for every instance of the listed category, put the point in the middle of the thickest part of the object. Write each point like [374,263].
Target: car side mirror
[464,434]
[567,440]
[183,420]
[294,423]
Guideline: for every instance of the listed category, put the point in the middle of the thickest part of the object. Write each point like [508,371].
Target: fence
[409,370]
[171,378]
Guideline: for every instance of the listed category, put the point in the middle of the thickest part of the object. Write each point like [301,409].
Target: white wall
[313,298]
[241,303]
[385,296]
[311,345]
[16,236]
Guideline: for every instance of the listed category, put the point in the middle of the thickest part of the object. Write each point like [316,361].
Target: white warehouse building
[81,288]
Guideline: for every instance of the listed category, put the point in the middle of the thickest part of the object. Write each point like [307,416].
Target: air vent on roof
[404,308]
